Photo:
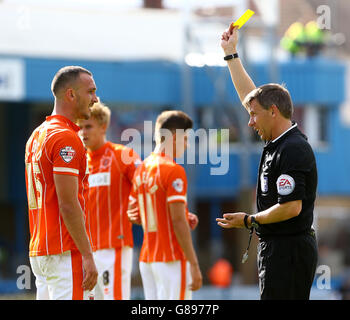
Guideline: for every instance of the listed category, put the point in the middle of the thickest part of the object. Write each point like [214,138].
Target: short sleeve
[294,164]
[66,153]
[176,190]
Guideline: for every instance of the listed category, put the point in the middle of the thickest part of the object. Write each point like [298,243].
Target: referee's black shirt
[287,172]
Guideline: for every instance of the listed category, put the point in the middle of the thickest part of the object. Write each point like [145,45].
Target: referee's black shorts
[286,266]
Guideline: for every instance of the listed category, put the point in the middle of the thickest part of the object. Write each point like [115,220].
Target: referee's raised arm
[240,78]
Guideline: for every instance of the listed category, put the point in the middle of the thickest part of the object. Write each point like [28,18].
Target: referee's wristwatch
[231,56]
[255,224]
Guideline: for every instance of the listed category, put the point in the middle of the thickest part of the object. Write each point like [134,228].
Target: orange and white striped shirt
[111,170]
[53,148]
[158,182]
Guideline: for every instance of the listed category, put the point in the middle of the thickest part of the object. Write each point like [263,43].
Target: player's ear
[70,94]
[187,140]
[104,127]
[176,136]
[274,110]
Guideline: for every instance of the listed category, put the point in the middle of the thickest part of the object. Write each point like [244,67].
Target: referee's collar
[294,125]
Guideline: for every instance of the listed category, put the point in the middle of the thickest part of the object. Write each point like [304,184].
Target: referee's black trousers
[286,266]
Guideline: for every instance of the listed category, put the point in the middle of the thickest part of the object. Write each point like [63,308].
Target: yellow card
[243,19]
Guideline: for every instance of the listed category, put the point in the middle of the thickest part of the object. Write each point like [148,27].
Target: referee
[286,188]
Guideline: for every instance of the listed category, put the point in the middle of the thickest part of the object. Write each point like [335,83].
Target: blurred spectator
[308,39]
[220,274]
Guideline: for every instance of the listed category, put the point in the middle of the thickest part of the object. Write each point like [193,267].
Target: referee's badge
[285,184]
[264,183]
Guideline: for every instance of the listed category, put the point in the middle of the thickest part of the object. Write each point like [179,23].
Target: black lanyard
[245,255]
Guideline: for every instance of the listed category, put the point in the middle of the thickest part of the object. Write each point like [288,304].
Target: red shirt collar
[100,150]
[61,118]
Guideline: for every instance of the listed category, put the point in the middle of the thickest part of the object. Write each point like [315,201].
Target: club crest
[178,185]
[67,154]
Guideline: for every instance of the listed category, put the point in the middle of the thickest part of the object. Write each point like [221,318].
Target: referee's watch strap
[231,56]
[255,224]
[245,220]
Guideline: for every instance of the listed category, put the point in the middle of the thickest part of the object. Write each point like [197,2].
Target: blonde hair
[101,113]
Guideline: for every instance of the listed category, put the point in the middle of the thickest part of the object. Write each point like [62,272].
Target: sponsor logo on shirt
[100,179]
[264,183]
[285,184]
[67,154]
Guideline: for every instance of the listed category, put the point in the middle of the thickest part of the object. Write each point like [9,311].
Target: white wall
[88,29]
[112,30]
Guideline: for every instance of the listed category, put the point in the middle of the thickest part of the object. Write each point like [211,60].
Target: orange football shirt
[158,182]
[111,170]
[53,148]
